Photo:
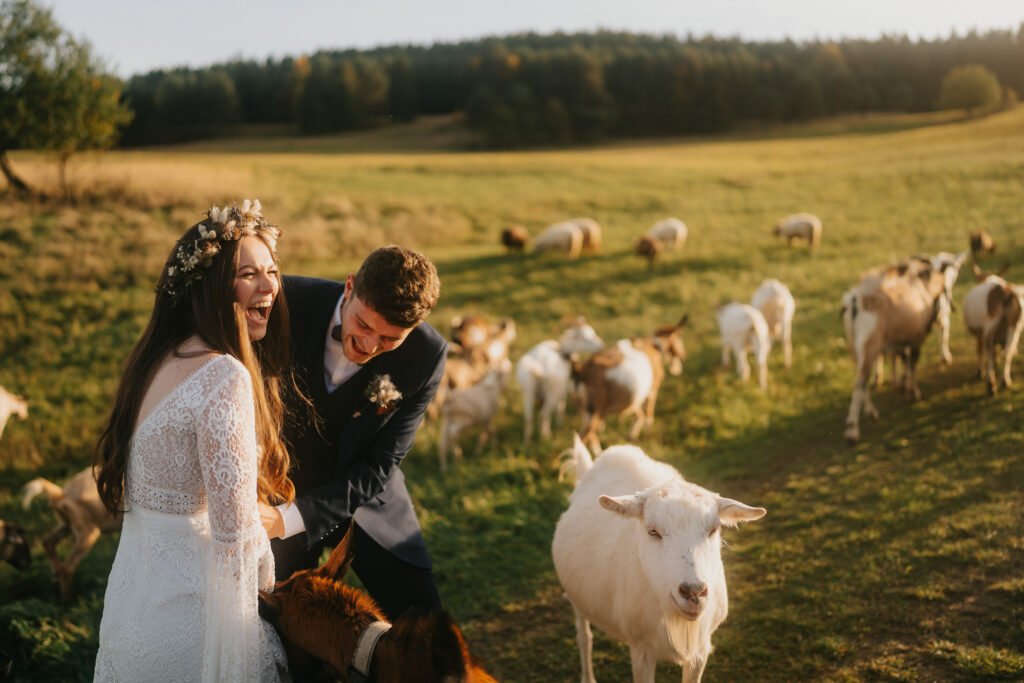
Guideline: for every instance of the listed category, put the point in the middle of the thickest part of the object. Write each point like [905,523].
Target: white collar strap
[359,668]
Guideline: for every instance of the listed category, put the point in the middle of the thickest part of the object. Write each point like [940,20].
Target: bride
[191,447]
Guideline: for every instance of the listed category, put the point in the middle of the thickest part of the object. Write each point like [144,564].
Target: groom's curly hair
[399,284]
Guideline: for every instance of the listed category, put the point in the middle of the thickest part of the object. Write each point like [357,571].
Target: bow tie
[336,333]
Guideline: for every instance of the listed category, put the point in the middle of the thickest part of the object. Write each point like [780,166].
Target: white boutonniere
[382,393]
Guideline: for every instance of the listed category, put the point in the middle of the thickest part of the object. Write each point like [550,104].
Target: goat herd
[629,515]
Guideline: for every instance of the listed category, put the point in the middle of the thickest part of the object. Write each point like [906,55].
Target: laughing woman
[191,447]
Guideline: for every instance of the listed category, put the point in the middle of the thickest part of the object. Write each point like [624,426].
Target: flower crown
[223,224]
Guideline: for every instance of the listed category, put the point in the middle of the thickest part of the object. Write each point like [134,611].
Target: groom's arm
[363,478]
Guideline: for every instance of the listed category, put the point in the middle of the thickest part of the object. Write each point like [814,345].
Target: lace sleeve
[240,560]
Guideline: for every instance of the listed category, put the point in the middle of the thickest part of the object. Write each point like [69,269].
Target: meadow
[898,558]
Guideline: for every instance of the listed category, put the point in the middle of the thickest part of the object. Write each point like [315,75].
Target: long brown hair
[207,309]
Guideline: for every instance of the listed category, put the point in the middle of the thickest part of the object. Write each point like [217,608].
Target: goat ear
[337,564]
[627,506]
[269,607]
[682,321]
[732,512]
[961,257]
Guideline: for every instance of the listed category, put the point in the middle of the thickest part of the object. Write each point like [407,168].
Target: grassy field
[900,558]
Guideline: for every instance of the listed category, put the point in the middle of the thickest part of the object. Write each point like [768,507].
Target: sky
[135,36]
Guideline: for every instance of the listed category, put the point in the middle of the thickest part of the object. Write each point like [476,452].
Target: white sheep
[566,237]
[803,225]
[777,305]
[993,313]
[11,405]
[591,233]
[744,329]
[638,553]
[664,236]
[543,374]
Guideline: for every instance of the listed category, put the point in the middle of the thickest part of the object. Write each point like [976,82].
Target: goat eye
[654,533]
[714,530]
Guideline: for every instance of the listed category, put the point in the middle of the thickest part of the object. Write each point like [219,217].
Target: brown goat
[981,243]
[80,513]
[320,621]
[625,378]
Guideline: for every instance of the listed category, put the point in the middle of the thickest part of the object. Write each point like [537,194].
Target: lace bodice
[181,600]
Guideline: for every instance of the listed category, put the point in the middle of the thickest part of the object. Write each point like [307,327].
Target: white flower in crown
[383,393]
[207,234]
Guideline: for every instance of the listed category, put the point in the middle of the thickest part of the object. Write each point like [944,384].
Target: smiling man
[370,367]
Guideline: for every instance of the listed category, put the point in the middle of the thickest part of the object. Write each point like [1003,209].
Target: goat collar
[362,659]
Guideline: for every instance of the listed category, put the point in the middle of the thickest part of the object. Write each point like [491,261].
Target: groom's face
[365,334]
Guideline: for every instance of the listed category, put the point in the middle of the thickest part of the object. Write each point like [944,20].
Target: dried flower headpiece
[223,224]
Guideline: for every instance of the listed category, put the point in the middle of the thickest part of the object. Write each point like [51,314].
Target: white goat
[543,374]
[744,329]
[638,553]
[803,225]
[11,405]
[892,309]
[777,305]
[992,311]
[470,406]
[566,237]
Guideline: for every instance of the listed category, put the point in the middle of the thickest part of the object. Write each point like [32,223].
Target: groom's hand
[272,521]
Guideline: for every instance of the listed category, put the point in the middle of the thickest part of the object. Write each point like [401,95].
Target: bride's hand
[272,521]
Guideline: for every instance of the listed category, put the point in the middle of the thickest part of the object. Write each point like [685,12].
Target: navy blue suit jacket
[349,467]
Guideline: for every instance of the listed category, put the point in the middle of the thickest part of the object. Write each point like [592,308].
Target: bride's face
[256,284]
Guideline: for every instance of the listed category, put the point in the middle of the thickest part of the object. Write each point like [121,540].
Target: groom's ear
[341,557]
[270,607]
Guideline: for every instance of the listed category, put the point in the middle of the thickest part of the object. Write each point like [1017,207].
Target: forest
[564,89]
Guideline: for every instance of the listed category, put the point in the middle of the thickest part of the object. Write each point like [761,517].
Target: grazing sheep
[777,305]
[470,406]
[803,225]
[332,631]
[744,329]
[626,379]
[638,553]
[11,405]
[891,309]
[591,234]
[981,243]
[515,237]
[664,236]
[80,513]
[565,237]
[543,373]
[14,546]
[992,311]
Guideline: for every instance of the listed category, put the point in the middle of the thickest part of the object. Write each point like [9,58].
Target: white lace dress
[181,601]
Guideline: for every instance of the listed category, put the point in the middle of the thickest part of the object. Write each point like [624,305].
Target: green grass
[899,558]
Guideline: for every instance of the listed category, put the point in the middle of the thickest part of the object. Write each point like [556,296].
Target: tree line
[515,91]
[534,89]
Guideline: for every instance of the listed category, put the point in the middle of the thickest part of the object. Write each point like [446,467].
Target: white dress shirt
[337,370]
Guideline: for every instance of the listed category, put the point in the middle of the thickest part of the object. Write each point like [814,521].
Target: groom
[370,366]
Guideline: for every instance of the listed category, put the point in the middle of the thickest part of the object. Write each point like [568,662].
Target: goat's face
[580,338]
[669,341]
[680,544]
[14,546]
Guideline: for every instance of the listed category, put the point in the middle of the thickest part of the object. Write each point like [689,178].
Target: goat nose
[693,592]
